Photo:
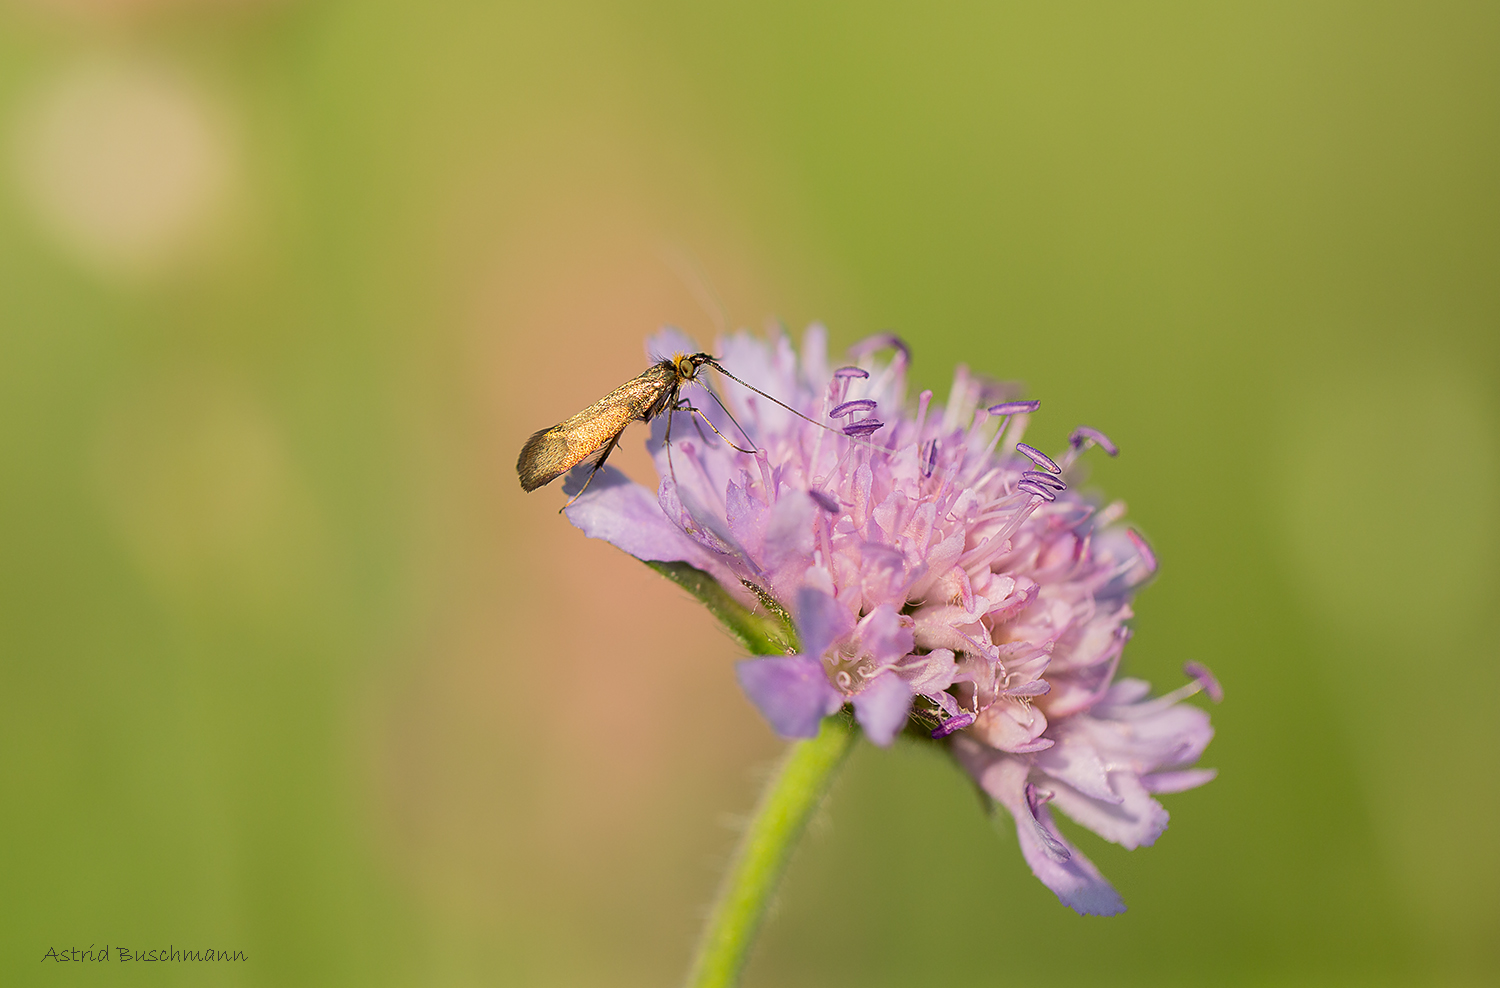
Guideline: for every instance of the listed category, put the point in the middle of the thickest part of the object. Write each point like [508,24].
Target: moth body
[591,435]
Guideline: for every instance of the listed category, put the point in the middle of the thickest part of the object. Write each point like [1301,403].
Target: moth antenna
[822,425]
[745,384]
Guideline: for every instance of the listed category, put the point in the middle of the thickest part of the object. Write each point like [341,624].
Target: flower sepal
[759,634]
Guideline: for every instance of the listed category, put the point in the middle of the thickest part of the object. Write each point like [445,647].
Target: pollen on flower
[940,572]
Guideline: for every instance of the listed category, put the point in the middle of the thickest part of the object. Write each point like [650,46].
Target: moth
[592,434]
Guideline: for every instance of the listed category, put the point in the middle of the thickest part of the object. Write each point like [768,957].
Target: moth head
[686,365]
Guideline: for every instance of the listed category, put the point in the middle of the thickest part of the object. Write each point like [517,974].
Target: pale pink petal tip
[1181,781]
[1071,876]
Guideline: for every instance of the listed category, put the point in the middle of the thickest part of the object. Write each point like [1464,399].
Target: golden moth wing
[593,432]
[543,459]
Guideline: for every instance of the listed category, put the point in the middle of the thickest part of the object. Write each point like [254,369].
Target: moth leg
[720,402]
[666,441]
[686,406]
[603,455]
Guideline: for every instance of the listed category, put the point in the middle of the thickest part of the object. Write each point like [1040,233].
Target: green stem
[785,807]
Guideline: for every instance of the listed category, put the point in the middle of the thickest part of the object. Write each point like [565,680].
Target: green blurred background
[291,666]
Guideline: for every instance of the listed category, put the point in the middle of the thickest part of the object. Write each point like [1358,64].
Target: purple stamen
[1014,407]
[1038,457]
[863,427]
[953,724]
[857,405]
[1032,487]
[850,372]
[1083,435]
[931,459]
[1147,556]
[1046,479]
[880,341]
[826,501]
[1206,680]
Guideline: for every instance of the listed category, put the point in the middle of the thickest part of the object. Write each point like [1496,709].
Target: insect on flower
[592,434]
[945,579]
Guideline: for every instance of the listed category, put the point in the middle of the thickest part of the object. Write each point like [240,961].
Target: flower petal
[883,635]
[1059,865]
[627,516]
[789,533]
[1145,737]
[695,522]
[882,707]
[1165,782]
[791,692]
[1011,725]
[1132,820]
[746,516]
[931,672]
[821,620]
[1075,762]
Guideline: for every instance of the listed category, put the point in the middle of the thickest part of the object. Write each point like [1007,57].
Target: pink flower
[939,572]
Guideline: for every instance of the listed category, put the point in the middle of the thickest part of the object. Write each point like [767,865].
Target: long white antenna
[822,425]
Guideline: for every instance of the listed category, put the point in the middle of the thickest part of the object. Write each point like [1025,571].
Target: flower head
[939,573]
